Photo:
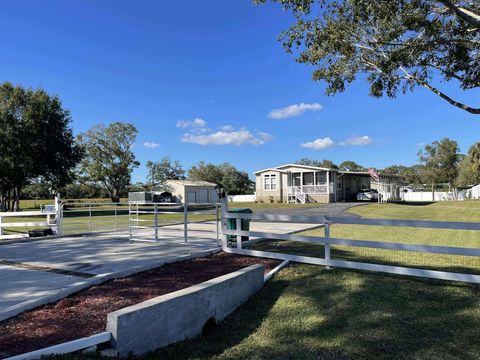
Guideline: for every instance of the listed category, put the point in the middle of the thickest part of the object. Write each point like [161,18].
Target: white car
[367,195]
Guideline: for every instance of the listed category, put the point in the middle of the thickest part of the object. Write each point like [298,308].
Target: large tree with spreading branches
[36,142]
[399,45]
[109,159]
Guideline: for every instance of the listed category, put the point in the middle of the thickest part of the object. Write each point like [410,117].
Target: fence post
[327,246]
[185,223]
[130,222]
[216,222]
[59,214]
[89,217]
[155,221]
[1,229]
[239,237]
[224,211]
[115,206]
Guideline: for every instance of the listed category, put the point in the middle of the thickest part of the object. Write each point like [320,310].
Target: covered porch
[310,185]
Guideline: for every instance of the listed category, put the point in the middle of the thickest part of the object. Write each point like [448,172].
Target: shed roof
[198,183]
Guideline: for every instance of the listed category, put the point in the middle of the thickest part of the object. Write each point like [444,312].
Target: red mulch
[85,313]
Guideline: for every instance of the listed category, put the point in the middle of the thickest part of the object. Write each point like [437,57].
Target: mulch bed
[85,313]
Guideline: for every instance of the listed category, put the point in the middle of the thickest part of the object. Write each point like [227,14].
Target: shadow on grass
[413,203]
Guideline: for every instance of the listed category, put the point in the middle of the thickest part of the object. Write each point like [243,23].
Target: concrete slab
[19,285]
[94,255]
[100,254]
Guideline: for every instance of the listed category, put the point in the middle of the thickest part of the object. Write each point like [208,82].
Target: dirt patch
[85,313]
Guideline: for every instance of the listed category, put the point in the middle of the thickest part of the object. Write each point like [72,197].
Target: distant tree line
[40,155]
[439,163]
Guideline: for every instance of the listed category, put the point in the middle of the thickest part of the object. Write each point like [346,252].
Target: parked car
[367,195]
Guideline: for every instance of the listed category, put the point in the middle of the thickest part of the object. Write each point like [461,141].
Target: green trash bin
[232,223]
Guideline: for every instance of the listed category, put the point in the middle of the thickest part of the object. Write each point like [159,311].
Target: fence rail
[25,224]
[327,241]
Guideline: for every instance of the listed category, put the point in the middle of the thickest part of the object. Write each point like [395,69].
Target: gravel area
[85,313]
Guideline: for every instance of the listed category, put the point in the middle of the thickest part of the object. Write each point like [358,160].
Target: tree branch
[433,89]
[464,14]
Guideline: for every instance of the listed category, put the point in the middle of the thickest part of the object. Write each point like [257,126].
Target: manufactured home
[294,183]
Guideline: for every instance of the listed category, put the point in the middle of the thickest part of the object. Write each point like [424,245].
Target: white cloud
[151,144]
[293,110]
[358,141]
[195,123]
[319,144]
[227,136]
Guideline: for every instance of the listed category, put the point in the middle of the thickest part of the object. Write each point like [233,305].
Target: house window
[308,178]
[270,182]
[320,178]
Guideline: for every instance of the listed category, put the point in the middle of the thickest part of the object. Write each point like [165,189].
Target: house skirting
[311,198]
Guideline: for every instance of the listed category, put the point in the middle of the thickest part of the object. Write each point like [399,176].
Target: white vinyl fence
[424,196]
[473,193]
[16,225]
[327,241]
[242,198]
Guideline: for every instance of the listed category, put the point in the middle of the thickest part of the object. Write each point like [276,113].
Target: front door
[297,179]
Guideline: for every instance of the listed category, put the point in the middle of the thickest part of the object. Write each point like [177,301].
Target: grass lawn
[452,211]
[35,204]
[445,210]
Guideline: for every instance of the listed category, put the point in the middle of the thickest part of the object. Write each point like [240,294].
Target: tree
[165,169]
[325,163]
[351,166]
[466,174]
[469,167]
[109,160]
[235,182]
[36,142]
[440,160]
[399,45]
[411,174]
[474,157]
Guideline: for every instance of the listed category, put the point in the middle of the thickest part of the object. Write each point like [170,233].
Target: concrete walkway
[99,254]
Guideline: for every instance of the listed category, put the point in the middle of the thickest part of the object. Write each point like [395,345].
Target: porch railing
[309,189]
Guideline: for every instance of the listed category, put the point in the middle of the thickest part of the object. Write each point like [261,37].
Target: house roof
[280,168]
[354,172]
[192,183]
[304,166]
[269,169]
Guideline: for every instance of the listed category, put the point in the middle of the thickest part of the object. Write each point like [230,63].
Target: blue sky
[200,80]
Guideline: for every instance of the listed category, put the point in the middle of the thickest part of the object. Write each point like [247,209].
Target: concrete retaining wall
[182,314]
